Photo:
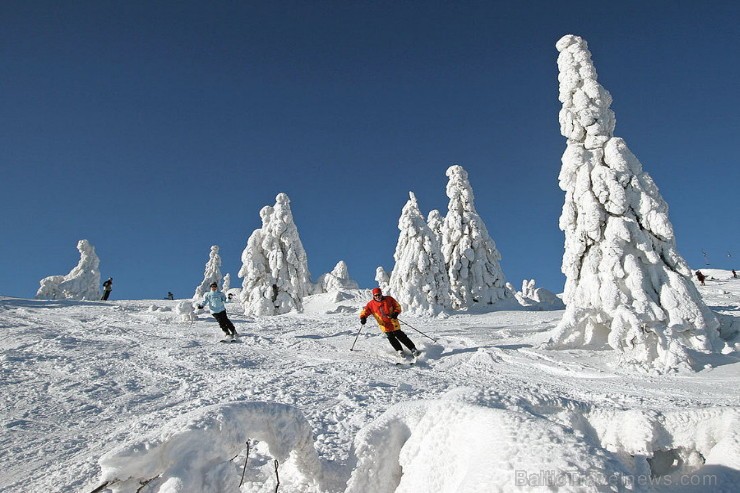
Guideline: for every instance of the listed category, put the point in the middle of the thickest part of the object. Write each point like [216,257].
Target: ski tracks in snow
[80,377]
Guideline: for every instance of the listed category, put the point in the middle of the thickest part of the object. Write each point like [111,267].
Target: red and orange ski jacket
[382,311]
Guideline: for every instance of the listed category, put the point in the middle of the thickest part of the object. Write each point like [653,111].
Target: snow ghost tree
[470,253]
[227,283]
[382,278]
[274,264]
[82,282]
[419,278]
[336,280]
[436,223]
[626,284]
[211,274]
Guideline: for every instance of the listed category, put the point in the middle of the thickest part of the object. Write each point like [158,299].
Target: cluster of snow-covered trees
[274,264]
[274,267]
[448,262]
[419,280]
[444,263]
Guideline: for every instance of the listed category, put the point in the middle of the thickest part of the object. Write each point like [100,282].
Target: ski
[408,359]
[405,361]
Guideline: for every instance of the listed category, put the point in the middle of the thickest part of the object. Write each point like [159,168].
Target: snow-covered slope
[125,394]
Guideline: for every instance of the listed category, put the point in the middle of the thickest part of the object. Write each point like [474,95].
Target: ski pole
[417,330]
[358,335]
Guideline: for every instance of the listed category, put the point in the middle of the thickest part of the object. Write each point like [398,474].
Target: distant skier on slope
[386,309]
[701,277]
[215,299]
[107,288]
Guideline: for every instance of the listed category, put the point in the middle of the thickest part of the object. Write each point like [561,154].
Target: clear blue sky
[158,129]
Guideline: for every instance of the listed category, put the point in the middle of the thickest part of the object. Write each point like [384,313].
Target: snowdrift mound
[468,442]
[194,453]
[337,301]
[446,446]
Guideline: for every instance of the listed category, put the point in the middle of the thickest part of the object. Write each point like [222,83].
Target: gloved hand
[200,307]
[363,320]
[394,315]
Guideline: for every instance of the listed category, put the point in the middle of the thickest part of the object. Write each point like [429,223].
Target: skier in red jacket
[385,309]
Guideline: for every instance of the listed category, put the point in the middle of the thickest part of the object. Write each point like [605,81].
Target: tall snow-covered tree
[470,253]
[82,282]
[227,283]
[336,280]
[626,284]
[419,279]
[274,264]
[211,274]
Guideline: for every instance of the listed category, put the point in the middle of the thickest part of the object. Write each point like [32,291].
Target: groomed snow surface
[127,395]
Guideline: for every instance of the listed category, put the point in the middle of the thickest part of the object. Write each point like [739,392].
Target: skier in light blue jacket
[215,301]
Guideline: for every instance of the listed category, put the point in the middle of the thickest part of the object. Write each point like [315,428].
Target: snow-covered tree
[336,280]
[82,282]
[274,264]
[436,223]
[382,278]
[626,284]
[212,274]
[470,253]
[227,283]
[419,279]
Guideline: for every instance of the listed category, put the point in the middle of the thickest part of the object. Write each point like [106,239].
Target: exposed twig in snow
[277,476]
[100,488]
[144,483]
[246,459]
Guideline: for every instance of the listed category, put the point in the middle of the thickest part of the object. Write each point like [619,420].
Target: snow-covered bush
[626,284]
[185,311]
[419,278]
[537,298]
[211,274]
[470,253]
[274,264]
[336,280]
[382,278]
[82,282]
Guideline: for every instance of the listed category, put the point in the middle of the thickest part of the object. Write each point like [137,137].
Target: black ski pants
[106,293]
[399,335]
[224,322]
